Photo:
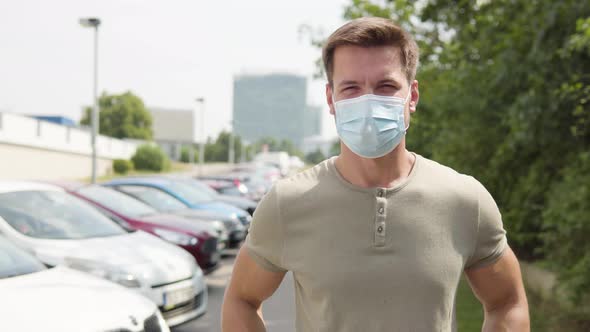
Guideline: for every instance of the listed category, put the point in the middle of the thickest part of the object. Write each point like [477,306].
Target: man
[377,238]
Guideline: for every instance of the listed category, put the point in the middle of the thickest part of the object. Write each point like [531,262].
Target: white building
[37,149]
[173,129]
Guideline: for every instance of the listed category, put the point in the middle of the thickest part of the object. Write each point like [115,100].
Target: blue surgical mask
[371,126]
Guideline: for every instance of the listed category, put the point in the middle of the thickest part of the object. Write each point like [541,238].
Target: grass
[545,315]
[174,167]
[470,311]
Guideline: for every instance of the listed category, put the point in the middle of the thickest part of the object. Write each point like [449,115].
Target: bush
[315,157]
[122,166]
[150,158]
[567,225]
[185,154]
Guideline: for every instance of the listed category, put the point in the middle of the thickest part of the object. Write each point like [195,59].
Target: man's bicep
[499,283]
[251,282]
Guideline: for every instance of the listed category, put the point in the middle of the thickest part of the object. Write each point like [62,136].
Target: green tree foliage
[505,86]
[150,158]
[277,145]
[315,157]
[185,154]
[218,150]
[122,116]
[335,148]
[566,225]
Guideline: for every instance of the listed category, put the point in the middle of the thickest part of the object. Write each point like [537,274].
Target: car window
[188,192]
[203,188]
[54,215]
[117,201]
[153,197]
[15,261]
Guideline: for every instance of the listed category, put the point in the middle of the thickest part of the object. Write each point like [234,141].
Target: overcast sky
[167,52]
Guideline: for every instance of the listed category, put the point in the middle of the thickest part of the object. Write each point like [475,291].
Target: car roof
[156,181]
[68,185]
[12,186]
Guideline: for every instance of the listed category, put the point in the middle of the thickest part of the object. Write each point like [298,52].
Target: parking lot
[278,312]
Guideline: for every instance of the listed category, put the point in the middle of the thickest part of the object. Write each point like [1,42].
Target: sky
[166,52]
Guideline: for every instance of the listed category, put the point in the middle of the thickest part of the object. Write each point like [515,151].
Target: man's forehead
[361,63]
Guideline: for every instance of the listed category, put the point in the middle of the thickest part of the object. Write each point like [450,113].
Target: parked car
[230,187]
[238,183]
[36,298]
[242,203]
[164,202]
[260,171]
[202,239]
[61,229]
[279,159]
[295,163]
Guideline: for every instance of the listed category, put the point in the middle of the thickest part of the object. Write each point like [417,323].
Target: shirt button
[381,210]
[380,229]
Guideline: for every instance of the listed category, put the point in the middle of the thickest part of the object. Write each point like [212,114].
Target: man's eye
[348,88]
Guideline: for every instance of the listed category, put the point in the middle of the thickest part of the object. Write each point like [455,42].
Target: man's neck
[384,172]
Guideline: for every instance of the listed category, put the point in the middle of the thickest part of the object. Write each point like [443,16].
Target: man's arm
[249,286]
[500,289]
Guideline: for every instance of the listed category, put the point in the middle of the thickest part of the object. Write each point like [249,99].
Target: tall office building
[270,106]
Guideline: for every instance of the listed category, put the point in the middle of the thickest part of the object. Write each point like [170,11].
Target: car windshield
[205,189]
[15,262]
[188,192]
[117,201]
[54,215]
[153,197]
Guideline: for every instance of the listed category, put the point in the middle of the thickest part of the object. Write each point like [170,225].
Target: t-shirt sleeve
[491,236]
[265,240]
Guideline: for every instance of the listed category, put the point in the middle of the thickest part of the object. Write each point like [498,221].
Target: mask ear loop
[405,102]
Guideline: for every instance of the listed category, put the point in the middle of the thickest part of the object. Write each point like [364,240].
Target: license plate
[175,297]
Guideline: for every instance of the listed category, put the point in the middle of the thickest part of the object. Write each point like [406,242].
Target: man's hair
[372,32]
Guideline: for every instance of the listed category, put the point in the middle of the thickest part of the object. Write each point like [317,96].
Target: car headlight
[104,271]
[177,238]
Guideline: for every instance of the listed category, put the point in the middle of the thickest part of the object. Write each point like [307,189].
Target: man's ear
[415,96]
[329,98]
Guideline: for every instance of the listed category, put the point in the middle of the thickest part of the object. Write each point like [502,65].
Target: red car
[203,239]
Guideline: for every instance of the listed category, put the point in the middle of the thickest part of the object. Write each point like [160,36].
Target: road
[278,311]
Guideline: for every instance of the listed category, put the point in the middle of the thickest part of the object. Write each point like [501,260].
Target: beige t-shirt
[376,259]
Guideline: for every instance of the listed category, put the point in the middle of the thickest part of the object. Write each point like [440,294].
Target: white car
[60,229]
[278,159]
[35,298]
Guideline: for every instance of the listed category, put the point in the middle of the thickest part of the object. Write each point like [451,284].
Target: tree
[335,148]
[122,116]
[185,154]
[504,97]
[275,145]
[218,151]
[315,157]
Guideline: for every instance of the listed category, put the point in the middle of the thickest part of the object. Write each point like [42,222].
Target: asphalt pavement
[278,311]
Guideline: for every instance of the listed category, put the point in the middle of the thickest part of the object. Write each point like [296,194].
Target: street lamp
[231,152]
[93,22]
[201,100]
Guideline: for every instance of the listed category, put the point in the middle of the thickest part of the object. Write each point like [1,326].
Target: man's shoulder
[447,179]
[300,183]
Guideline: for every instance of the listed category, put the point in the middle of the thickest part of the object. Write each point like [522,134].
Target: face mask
[371,126]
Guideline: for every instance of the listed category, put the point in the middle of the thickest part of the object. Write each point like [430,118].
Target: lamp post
[231,152]
[201,100]
[93,22]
